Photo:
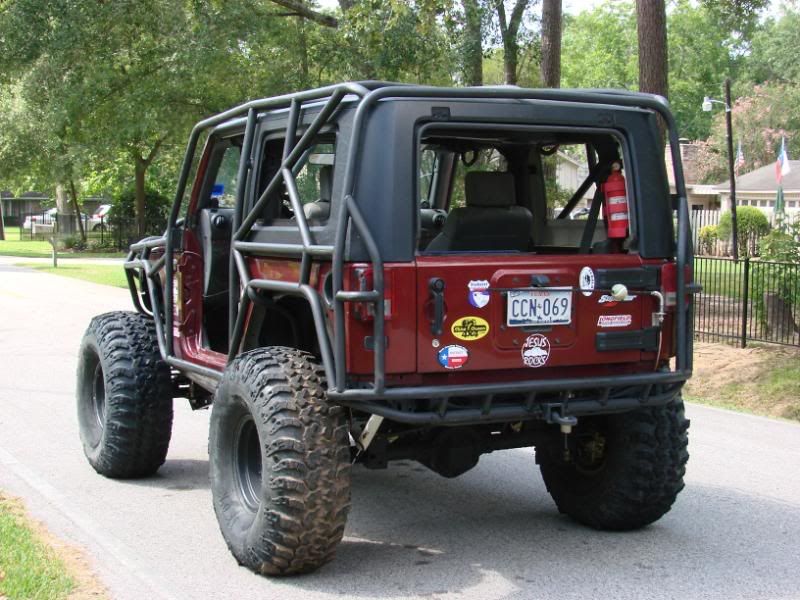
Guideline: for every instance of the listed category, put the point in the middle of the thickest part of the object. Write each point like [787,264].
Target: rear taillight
[669,283]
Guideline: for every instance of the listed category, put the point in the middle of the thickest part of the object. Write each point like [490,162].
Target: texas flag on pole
[782,164]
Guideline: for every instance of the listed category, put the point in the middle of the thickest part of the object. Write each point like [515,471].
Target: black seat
[491,220]
[321,209]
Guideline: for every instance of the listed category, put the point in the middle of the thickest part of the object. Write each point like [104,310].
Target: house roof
[763,180]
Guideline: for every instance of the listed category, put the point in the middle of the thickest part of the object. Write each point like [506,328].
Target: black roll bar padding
[371,93]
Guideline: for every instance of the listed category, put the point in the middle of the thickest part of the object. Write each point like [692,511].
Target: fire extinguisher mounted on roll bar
[615,203]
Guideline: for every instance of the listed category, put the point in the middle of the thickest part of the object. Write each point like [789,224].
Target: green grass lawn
[29,570]
[24,247]
[104,274]
[762,380]
[720,277]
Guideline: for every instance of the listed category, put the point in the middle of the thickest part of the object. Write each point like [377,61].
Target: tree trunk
[551,43]
[779,318]
[510,51]
[63,220]
[2,223]
[140,169]
[651,19]
[472,49]
[509,31]
[74,197]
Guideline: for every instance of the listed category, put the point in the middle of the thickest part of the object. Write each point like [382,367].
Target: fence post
[745,299]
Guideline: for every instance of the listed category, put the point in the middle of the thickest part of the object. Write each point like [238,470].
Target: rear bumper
[551,400]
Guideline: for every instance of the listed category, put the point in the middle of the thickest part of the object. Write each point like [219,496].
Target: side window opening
[313,178]
[223,192]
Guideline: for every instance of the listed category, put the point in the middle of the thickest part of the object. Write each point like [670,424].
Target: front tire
[280,462]
[124,395]
[624,470]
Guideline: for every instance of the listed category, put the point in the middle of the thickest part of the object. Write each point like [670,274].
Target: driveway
[492,533]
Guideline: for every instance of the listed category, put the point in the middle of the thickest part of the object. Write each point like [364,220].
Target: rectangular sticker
[614,320]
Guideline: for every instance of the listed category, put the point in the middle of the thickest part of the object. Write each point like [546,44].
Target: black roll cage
[650,388]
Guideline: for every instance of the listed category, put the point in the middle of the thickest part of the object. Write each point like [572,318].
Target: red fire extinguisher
[615,204]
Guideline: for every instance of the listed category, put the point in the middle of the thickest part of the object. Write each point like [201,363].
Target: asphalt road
[492,533]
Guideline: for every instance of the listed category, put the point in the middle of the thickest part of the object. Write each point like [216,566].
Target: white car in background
[99,218]
[47,217]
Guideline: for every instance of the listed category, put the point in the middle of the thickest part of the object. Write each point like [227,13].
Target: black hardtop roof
[358,91]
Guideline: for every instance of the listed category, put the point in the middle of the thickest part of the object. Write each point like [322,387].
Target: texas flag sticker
[453,356]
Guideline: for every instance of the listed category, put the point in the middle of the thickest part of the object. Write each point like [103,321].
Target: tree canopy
[100,96]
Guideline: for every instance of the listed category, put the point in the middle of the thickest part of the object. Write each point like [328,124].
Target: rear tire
[280,462]
[625,470]
[124,395]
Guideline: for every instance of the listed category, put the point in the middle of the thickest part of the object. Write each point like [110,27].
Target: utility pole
[731,170]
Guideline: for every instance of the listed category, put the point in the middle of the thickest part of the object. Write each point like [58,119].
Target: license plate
[539,307]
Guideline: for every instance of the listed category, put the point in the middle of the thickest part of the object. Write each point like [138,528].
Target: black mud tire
[633,481]
[280,462]
[124,395]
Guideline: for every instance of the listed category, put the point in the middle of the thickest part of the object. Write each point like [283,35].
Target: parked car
[99,220]
[48,217]
[45,218]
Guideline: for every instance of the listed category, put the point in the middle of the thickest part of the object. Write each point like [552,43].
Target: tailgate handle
[436,287]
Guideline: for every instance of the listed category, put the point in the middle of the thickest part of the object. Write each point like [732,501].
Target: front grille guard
[375,397]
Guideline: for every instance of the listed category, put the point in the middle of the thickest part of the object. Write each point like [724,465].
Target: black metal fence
[112,233]
[747,300]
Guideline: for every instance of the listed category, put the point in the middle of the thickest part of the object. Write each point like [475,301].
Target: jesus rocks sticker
[478,293]
[535,351]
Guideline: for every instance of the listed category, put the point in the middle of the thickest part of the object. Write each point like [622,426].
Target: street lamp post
[707,106]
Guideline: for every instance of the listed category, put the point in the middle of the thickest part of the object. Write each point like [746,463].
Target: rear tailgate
[493,318]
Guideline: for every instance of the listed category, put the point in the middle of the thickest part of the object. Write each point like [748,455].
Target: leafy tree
[760,121]
[599,48]
[701,54]
[772,56]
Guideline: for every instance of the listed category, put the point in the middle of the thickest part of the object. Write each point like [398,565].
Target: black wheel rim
[98,400]
[247,463]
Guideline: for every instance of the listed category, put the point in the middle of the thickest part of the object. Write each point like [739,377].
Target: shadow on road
[495,532]
[177,475]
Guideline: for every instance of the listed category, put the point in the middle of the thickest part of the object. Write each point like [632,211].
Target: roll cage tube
[333,355]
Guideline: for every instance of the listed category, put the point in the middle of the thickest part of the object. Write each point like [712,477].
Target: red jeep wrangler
[370,272]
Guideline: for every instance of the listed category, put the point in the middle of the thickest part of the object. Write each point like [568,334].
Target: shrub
[74,242]
[156,210]
[707,239]
[776,281]
[751,224]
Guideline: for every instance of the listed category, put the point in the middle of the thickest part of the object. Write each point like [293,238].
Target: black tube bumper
[549,400]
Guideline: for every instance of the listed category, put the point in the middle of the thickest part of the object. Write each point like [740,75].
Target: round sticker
[478,293]
[469,328]
[535,351]
[453,356]
[586,281]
